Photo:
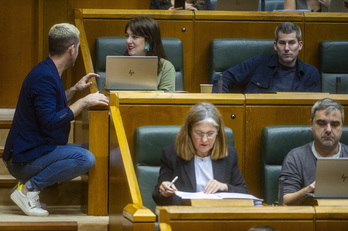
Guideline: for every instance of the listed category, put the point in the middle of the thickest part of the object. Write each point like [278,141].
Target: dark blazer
[225,170]
[156,4]
[42,117]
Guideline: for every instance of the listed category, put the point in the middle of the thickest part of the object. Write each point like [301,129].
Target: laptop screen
[338,6]
[131,73]
[331,178]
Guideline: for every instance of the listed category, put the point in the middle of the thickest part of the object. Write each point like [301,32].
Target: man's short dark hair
[327,104]
[288,28]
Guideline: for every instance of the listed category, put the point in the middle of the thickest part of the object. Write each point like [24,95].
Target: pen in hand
[171,183]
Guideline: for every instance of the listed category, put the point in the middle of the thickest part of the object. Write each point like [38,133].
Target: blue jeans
[64,163]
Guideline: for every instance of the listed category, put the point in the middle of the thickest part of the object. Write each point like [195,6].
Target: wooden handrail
[126,13]
[86,54]
[135,211]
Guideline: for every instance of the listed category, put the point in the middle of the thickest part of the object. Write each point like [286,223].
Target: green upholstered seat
[271,5]
[213,3]
[149,142]
[276,142]
[228,52]
[333,63]
[117,45]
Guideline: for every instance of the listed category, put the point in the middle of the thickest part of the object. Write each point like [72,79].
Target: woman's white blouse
[203,171]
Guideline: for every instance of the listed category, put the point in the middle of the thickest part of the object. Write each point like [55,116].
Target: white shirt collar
[337,155]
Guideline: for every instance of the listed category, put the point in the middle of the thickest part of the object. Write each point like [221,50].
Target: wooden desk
[284,218]
[331,218]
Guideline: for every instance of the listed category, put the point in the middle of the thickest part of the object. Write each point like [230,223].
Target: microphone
[338,85]
[220,83]
[280,190]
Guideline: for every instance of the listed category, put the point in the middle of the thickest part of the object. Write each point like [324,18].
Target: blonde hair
[61,36]
[199,113]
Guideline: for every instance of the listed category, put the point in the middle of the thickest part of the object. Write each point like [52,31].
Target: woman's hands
[165,190]
[214,186]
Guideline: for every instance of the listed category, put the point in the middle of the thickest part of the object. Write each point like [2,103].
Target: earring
[147,47]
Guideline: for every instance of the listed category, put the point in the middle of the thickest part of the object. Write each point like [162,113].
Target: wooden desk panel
[319,27]
[331,218]
[235,218]
[249,16]
[337,225]
[242,225]
[284,218]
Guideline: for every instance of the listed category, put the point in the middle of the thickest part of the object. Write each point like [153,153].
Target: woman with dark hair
[143,38]
[189,5]
[200,158]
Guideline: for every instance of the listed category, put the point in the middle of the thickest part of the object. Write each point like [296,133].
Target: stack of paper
[219,195]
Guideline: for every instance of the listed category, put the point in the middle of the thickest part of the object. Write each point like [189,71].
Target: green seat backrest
[213,3]
[276,142]
[271,5]
[149,142]
[116,46]
[228,52]
[333,63]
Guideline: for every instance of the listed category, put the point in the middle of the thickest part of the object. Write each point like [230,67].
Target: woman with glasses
[200,159]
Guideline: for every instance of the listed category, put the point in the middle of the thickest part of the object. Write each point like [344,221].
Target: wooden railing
[125,197]
[85,52]
[96,200]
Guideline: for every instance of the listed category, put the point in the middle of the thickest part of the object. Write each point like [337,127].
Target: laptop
[237,5]
[337,6]
[131,73]
[331,178]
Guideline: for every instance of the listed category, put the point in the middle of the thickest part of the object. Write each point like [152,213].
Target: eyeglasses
[210,135]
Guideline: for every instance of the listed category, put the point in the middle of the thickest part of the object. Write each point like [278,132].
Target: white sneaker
[19,186]
[30,203]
